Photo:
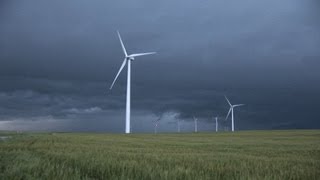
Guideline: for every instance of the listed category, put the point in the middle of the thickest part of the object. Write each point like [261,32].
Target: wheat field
[293,154]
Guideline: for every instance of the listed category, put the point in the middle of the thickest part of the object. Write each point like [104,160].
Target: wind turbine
[127,59]
[216,118]
[195,124]
[178,122]
[156,122]
[231,110]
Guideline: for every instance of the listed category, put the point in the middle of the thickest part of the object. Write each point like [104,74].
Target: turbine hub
[130,58]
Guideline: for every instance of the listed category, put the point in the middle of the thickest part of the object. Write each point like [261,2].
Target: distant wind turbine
[195,124]
[216,118]
[231,110]
[156,123]
[178,122]
[128,58]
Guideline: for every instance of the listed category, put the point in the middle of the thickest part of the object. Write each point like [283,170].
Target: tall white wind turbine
[195,124]
[127,59]
[178,123]
[231,110]
[216,118]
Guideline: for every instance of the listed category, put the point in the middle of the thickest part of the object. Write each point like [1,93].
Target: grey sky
[58,59]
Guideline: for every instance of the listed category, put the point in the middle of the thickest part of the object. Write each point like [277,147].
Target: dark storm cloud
[58,59]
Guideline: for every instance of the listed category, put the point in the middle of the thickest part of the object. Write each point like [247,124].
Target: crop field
[241,155]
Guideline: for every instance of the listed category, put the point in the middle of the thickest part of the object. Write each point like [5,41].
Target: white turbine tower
[128,58]
[216,118]
[231,110]
[156,123]
[195,124]
[178,123]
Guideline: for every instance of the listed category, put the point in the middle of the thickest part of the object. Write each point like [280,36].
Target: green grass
[240,155]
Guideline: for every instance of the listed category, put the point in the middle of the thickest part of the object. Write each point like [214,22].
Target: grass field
[239,155]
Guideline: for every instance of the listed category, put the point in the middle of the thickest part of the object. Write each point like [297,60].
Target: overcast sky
[59,58]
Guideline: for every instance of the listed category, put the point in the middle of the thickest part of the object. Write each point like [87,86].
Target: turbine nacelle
[129,58]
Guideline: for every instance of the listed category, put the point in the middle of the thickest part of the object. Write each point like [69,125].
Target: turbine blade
[141,54]
[158,119]
[237,105]
[123,64]
[228,100]
[228,113]
[122,45]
